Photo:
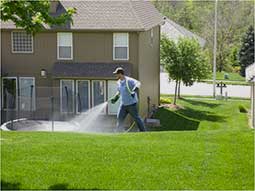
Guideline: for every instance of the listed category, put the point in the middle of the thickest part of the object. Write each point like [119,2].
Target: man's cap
[119,70]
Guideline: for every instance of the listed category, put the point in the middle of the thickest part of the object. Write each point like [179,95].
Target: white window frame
[22,52]
[34,92]
[5,109]
[92,89]
[58,40]
[61,95]
[78,92]
[114,58]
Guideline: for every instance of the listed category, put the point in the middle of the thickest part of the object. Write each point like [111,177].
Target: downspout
[159,36]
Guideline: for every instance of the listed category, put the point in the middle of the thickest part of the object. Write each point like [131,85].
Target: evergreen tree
[246,54]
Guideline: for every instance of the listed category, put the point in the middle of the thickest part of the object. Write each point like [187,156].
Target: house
[175,31]
[250,77]
[70,67]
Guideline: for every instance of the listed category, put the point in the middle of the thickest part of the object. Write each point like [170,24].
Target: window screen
[22,42]
[67,95]
[9,93]
[65,43]
[112,89]
[120,46]
[83,101]
[98,92]
[27,94]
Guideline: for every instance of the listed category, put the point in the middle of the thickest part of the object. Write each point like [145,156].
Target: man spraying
[127,92]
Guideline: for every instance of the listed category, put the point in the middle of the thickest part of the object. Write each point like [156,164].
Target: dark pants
[132,110]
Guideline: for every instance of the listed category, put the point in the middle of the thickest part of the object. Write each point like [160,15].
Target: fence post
[52,113]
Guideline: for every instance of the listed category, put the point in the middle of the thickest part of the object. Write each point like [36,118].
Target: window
[22,42]
[9,92]
[67,96]
[120,46]
[27,93]
[98,92]
[112,89]
[65,46]
[83,96]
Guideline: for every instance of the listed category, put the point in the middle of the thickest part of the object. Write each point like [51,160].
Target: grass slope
[221,158]
[211,114]
[231,76]
[233,79]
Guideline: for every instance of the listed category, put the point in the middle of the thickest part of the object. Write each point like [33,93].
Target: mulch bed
[172,106]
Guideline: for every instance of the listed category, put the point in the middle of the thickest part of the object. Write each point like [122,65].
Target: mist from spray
[90,121]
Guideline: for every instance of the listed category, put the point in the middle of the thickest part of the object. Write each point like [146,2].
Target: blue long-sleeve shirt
[125,92]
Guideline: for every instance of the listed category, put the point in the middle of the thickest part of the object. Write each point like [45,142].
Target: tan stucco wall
[87,47]
[149,68]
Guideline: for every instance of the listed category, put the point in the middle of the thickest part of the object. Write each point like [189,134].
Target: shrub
[236,69]
[242,109]
[165,100]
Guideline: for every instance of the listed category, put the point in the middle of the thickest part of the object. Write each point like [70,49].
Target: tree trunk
[179,89]
[175,93]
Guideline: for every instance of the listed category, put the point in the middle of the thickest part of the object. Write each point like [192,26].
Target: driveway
[202,89]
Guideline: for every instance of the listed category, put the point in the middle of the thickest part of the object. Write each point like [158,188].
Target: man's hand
[115,98]
[134,91]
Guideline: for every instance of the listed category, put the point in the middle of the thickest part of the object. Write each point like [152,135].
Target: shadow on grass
[201,103]
[170,120]
[201,115]
[64,186]
[58,187]
[9,185]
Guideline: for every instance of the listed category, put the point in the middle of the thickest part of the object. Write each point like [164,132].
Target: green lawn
[210,114]
[233,79]
[233,76]
[217,155]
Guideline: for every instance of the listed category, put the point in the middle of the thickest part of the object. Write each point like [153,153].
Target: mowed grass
[210,114]
[232,76]
[218,155]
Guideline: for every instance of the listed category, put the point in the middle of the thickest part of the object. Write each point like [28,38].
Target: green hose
[131,126]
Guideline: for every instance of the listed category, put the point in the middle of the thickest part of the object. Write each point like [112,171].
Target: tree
[246,54]
[184,61]
[234,17]
[32,15]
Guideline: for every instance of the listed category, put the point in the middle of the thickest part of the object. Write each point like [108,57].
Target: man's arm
[136,85]
[115,98]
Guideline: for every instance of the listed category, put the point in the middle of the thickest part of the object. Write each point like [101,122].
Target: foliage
[198,17]
[246,53]
[165,100]
[184,61]
[32,15]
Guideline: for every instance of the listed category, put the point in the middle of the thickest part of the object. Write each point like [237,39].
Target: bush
[165,100]
[236,69]
[242,109]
